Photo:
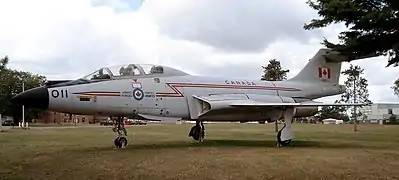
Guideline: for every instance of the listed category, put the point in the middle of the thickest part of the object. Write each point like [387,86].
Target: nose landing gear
[121,140]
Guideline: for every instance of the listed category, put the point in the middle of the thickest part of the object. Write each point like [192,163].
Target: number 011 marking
[59,93]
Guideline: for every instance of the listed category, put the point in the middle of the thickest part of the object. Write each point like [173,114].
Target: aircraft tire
[116,142]
[120,142]
[191,133]
[280,142]
[196,133]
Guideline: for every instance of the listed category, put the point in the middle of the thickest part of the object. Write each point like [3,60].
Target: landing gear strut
[285,135]
[197,131]
[121,140]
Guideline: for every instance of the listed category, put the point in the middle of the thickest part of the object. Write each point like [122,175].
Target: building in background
[59,118]
[378,112]
[332,121]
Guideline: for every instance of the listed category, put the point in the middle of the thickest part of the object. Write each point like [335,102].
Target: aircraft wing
[239,101]
[251,103]
[212,104]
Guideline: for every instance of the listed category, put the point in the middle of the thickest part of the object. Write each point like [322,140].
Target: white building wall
[378,111]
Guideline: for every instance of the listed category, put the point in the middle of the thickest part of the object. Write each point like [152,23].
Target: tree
[356,91]
[274,72]
[11,84]
[373,26]
[393,119]
[3,63]
[331,112]
[395,87]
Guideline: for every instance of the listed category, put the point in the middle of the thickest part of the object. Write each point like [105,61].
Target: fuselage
[161,91]
[169,96]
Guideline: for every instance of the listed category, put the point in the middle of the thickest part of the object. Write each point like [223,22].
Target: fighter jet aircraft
[164,93]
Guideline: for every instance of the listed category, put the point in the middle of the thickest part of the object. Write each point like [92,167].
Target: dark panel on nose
[36,98]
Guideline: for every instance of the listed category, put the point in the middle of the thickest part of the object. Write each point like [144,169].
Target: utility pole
[354,101]
[1,123]
[23,107]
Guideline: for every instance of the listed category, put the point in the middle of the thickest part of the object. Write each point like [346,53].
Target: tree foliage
[395,87]
[372,26]
[331,112]
[11,84]
[3,63]
[356,89]
[393,119]
[274,72]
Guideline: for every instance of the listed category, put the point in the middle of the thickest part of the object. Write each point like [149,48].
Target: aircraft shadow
[242,143]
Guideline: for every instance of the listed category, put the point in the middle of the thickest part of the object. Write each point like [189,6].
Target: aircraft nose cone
[36,98]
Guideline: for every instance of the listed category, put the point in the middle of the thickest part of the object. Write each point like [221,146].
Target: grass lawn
[230,151]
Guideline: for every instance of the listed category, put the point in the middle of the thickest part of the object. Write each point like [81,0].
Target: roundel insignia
[138,94]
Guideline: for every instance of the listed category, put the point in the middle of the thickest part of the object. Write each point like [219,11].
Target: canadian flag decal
[324,73]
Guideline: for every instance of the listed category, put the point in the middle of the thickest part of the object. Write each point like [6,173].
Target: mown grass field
[230,151]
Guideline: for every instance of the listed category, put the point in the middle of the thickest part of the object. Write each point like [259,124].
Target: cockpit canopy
[133,70]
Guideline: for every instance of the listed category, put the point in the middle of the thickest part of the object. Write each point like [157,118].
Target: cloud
[69,39]
[236,25]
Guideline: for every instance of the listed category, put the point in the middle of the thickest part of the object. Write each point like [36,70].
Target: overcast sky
[65,39]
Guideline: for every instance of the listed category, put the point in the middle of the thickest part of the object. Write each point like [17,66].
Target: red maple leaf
[325,72]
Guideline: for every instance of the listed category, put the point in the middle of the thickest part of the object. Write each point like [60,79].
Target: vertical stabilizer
[325,66]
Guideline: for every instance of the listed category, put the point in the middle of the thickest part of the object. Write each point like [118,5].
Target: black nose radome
[36,98]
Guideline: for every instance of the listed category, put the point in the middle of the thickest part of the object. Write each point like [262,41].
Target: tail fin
[320,68]
[325,66]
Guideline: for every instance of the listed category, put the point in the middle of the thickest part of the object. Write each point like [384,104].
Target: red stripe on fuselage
[99,93]
[178,93]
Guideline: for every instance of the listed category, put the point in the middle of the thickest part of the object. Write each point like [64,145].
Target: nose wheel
[121,140]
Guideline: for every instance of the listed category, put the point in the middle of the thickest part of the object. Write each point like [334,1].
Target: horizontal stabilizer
[335,56]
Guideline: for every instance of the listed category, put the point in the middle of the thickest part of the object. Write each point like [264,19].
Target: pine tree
[274,72]
[395,87]
[372,26]
[356,91]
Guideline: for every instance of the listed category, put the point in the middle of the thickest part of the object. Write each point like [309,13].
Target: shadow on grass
[241,143]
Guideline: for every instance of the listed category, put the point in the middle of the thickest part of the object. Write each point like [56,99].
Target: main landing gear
[121,140]
[197,131]
[285,135]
